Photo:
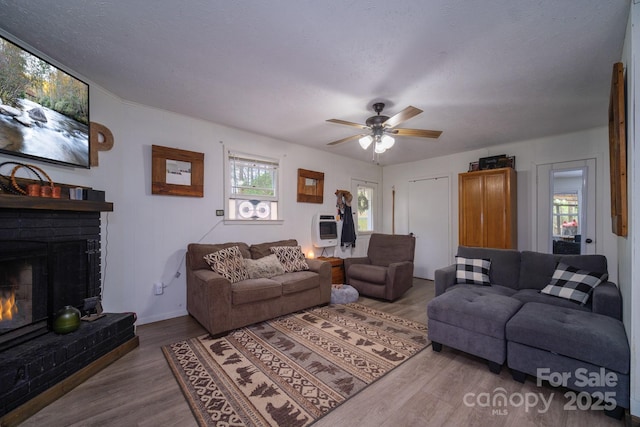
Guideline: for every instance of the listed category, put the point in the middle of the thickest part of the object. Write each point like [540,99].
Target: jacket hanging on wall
[348,238]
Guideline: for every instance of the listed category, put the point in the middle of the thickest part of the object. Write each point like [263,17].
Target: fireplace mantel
[8,201]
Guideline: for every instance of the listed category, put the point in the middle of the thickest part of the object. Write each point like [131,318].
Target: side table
[337,269]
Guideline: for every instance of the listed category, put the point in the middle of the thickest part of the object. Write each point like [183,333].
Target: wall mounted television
[44,111]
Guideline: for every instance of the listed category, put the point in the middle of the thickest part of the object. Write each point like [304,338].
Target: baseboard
[160,317]
[45,398]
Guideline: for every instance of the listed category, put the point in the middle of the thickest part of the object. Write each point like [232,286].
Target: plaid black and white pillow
[472,271]
[572,283]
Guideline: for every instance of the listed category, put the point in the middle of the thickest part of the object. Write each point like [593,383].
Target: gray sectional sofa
[509,319]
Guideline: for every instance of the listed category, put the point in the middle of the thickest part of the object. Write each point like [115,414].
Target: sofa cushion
[254,290]
[533,295]
[472,271]
[572,283]
[536,269]
[368,273]
[268,266]
[263,249]
[228,263]
[505,264]
[197,251]
[474,308]
[589,337]
[291,258]
[493,289]
[297,282]
[597,263]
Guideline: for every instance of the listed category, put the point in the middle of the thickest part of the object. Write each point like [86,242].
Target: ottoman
[582,351]
[472,319]
[344,294]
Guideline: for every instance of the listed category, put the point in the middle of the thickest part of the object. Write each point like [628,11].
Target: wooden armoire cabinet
[487,208]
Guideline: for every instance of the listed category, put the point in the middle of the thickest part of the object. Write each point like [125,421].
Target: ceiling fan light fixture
[379,148]
[365,141]
[387,141]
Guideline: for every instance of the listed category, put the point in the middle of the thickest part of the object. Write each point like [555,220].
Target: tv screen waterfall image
[44,112]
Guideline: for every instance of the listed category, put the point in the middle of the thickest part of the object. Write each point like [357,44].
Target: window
[365,208]
[252,191]
[565,214]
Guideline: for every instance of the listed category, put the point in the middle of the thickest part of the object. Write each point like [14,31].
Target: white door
[566,207]
[430,222]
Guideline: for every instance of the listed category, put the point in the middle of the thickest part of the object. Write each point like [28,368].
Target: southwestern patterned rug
[292,370]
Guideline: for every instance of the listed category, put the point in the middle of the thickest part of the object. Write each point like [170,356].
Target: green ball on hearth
[67,320]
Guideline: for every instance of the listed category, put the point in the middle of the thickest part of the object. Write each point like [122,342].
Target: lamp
[365,141]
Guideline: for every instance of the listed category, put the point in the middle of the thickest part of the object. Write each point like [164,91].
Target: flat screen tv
[44,111]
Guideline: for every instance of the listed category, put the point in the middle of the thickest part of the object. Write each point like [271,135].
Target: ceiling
[484,72]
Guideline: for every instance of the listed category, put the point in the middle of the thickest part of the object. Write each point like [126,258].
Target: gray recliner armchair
[387,270]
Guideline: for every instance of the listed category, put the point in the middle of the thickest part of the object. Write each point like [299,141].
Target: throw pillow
[228,263]
[572,283]
[473,271]
[268,266]
[291,258]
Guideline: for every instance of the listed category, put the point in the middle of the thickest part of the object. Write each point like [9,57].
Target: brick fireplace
[50,257]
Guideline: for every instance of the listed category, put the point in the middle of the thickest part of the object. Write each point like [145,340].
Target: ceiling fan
[380,128]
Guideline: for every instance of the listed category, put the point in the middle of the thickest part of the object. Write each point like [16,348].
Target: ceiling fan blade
[344,122]
[402,116]
[420,133]
[349,138]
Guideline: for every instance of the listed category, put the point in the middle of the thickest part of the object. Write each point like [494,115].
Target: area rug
[292,370]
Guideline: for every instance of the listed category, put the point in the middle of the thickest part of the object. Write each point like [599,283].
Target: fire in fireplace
[23,291]
[8,306]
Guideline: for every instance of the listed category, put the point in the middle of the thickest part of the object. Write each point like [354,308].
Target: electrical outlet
[158,288]
[219,212]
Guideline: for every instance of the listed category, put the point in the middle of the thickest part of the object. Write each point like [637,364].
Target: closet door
[497,216]
[487,208]
[470,193]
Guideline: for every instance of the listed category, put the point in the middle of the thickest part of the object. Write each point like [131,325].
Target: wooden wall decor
[618,152]
[177,172]
[100,139]
[310,186]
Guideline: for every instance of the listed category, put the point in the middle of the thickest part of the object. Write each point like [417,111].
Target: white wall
[628,247]
[591,143]
[145,238]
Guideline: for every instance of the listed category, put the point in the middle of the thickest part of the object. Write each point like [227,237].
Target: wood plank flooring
[428,390]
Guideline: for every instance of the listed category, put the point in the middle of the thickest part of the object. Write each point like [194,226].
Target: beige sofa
[221,306]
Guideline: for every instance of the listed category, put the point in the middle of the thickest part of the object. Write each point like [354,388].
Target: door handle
[588,241]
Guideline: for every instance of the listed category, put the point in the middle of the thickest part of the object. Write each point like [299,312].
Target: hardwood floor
[428,390]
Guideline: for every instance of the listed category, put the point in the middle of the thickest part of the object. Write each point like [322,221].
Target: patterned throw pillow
[572,283]
[268,266]
[472,271]
[291,258]
[228,263]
